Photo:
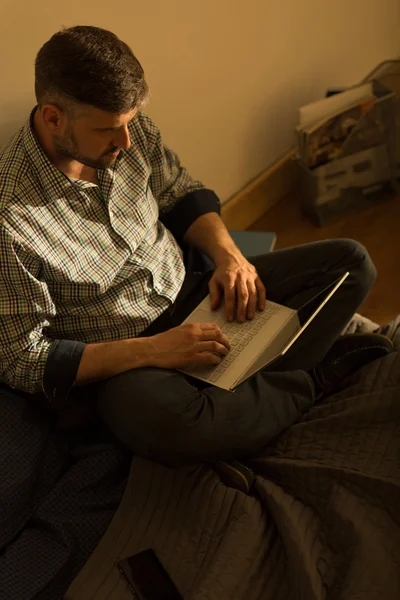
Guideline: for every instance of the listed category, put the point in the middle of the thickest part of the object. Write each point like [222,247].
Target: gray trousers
[172,418]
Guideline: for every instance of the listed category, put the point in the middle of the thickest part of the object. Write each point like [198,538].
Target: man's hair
[89,65]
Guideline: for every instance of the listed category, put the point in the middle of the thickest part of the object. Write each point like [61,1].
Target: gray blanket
[323,523]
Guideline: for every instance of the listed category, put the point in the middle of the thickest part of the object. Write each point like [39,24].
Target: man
[95,212]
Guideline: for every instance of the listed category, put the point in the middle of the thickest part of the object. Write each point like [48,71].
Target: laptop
[258,343]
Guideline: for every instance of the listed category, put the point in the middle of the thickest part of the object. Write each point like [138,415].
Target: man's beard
[68,146]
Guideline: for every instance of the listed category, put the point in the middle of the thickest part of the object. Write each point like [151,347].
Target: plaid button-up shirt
[84,263]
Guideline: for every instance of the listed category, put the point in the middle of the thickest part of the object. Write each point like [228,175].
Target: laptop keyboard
[239,335]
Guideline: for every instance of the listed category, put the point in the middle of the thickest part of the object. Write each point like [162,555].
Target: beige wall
[227,77]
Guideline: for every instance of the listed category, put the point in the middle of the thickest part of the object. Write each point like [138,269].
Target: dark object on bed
[146,577]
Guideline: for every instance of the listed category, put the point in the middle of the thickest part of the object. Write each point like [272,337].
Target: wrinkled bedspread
[322,523]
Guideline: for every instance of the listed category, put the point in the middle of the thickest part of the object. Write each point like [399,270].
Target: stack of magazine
[325,126]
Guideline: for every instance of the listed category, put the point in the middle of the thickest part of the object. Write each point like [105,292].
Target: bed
[323,521]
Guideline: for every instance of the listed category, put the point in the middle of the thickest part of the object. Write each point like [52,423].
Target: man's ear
[54,118]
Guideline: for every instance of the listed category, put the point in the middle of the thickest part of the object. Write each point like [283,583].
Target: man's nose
[123,139]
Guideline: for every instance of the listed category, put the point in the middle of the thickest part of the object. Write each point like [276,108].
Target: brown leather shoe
[348,354]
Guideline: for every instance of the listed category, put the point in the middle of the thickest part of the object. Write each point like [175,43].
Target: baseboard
[260,194]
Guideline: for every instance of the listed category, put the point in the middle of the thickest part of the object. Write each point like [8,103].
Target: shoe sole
[386,348]
[235,477]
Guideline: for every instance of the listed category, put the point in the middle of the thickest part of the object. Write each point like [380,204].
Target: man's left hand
[238,282]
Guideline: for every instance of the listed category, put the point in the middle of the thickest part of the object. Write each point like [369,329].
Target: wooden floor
[378,228]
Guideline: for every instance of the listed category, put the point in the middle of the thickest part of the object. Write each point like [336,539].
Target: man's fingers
[207,358]
[215,294]
[261,292]
[212,346]
[211,331]
[230,297]
[242,294]
[252,302]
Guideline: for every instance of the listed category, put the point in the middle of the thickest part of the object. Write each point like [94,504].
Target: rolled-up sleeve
[26,309]
[61,369]
[181,199]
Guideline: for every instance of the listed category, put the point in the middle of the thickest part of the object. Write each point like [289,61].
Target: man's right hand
[187,345]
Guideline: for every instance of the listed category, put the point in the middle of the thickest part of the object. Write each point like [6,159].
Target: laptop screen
[307,310]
